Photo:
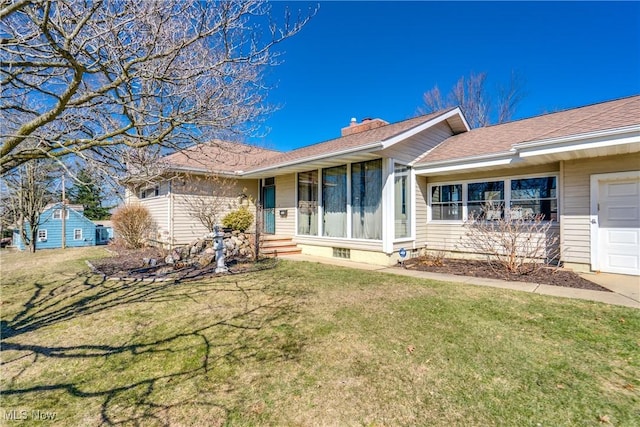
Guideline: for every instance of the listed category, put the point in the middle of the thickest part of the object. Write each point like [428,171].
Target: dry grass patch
[308,344]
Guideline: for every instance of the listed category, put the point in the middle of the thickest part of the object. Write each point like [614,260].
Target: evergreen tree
[87,193]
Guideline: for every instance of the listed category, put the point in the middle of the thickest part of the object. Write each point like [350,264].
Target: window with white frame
[77,234]
[57,214]
[525,197]
[334,201]
[531,197]
[42,235]
[308,203]
[402,201]
[446,202]
[485,199]
[366,200]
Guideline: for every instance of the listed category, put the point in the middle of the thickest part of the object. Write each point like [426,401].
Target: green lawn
[306,344]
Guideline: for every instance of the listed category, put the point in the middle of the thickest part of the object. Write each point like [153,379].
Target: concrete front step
[281,251]
[274,245]
[277,243]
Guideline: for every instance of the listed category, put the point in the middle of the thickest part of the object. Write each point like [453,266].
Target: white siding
[159,209]
[421,201]
[185,227]
[286,200]
[574,218]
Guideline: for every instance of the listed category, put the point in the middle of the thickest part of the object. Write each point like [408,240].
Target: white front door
[617,221]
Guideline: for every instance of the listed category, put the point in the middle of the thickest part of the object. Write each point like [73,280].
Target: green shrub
[240,219]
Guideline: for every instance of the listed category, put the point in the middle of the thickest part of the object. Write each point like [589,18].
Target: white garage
[615,222]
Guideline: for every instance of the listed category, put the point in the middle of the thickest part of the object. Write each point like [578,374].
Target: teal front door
[269,205]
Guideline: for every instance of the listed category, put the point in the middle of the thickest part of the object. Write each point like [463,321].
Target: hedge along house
[79,230]
[381,187]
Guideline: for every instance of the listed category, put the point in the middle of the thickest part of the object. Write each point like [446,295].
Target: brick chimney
[366,124]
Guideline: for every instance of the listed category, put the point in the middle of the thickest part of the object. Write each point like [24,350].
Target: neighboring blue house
[80,231]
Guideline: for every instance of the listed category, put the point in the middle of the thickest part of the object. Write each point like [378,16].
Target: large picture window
[366,195]
[308,203]
[402,201]
[334,201]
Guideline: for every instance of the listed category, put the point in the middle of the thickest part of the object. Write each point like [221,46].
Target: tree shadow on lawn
[251,330]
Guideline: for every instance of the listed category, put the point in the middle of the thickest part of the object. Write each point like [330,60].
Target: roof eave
[361,149]
[189,169]
[467,163]
[584,141]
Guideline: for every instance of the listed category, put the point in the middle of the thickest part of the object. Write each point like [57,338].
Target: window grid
[546,204]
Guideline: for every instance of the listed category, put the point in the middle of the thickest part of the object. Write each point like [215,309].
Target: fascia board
[500,159]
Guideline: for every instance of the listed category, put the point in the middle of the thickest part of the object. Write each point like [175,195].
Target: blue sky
[376,59]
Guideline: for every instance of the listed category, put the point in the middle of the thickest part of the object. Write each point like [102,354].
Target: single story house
[79,230]
[382,187]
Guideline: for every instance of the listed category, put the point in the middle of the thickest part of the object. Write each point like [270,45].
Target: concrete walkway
[625,289]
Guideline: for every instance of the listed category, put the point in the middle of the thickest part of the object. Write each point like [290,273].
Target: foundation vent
[341,253]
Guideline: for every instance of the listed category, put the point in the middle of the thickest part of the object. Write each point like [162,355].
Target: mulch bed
[461,267]
[128,264]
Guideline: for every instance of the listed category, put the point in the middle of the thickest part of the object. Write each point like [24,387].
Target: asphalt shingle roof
[224,156]
[353,141]
[220,156]
[501,138]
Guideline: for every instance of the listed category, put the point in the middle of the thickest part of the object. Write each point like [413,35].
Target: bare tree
[27,194]
[509,97]
[95,79]
[472,96]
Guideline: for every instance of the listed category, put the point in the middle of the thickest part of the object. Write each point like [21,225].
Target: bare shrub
[208,199]
[133,224]
[517,242]
[435,259]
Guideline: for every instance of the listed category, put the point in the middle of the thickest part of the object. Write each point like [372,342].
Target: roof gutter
[201,170]
[599,139]
[473,162]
